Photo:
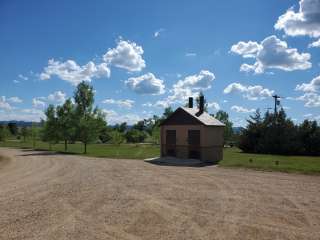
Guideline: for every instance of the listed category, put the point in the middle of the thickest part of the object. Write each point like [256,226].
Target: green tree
[84,99]
[121,127]
[309,138]
[50,130]
[25,132]
[135,136]
[66,122]
[3,133]
[90,121]
[90,126]
[167,112]
[13,128]
[105,134]
[277,134]
[224,118]
[139,126]
[117,137]
[156,135]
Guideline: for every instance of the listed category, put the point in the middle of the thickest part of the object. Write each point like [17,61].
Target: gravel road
[54,196]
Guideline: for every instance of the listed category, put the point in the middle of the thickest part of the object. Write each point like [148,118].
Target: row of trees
[74,121]
[277,134]
[11,129]
[78,120]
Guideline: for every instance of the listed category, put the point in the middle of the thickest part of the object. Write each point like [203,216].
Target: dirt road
[51,196]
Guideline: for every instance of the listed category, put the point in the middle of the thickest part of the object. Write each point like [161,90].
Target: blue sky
[141,56]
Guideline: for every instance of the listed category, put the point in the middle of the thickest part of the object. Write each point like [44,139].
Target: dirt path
[46,196]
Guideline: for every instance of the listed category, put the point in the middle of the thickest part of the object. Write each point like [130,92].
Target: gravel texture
[54,196]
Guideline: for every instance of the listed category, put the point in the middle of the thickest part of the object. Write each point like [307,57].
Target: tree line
[77,120]
[275,133]
[12,129]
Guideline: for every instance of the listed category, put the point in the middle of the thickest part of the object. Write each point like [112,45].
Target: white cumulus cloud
[15,100]
[214,106]
[271,53]
[4,103]
[241,109]
[306,21]
[255,92]
[71,72]
[146,84]
[38,103]
[190,86]
[121,103]
[114,117]
[312,86]
[310,99]
[57,97]
[246,49]
[127,55]
[22,115]
[314,44]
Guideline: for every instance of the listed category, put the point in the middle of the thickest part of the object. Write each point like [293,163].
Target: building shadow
[178,162]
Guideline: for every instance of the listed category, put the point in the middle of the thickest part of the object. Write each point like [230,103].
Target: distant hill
[20,123]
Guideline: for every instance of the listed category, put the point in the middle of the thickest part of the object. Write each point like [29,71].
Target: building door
[171,143]
[194,144]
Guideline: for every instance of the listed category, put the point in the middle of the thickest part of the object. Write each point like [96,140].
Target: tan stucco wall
[211,141]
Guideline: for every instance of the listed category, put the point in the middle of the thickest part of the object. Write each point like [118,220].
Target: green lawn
[129,151]
[233,157]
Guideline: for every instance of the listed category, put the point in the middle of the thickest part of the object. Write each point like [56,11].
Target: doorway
[194,144]
[171,143]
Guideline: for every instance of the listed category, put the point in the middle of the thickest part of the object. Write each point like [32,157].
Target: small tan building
[192,133]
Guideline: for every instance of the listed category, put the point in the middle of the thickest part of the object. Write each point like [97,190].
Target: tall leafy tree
[66,122]
[50,131]
[224,118]
[90,121]
[167,112]
[25,132]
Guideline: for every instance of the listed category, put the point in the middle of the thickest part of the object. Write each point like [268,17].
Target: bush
[135,136]
[117,137]
[105,135]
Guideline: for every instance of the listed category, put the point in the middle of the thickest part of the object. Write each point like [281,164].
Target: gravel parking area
[53,196]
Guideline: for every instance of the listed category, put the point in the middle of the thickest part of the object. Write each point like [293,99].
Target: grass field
[233,157]
[129,151]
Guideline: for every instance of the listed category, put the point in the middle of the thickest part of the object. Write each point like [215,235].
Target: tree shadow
[178,162]
[41,152]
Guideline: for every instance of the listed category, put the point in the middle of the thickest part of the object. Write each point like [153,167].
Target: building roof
[204,118]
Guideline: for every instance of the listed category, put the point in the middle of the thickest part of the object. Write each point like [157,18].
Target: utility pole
[276,102]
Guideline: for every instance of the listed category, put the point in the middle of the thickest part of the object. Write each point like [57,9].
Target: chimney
[190,102]
[201,104]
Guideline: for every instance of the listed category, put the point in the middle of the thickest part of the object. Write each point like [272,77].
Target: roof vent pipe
[190,105]
[201,104]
